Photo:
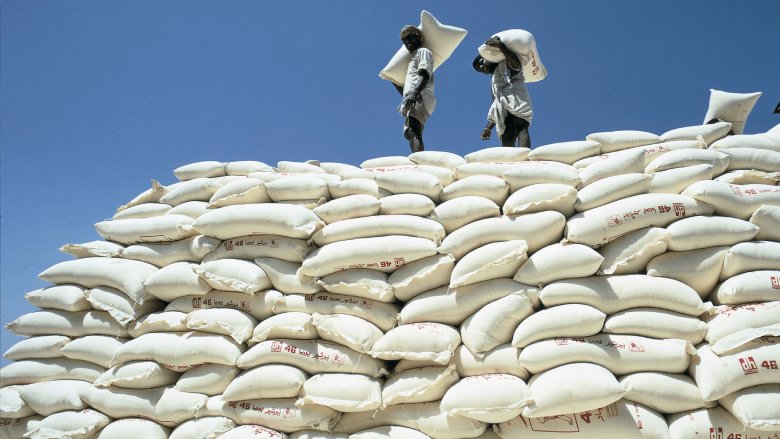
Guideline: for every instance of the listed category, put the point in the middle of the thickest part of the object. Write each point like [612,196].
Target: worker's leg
[523,138]
[413,130]
[512,127]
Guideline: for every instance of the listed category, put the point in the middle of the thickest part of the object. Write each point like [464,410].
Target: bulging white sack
[541,197]
[410,182]
[497,154]
[709,132]
[192,249]
[541,172]
[751,256]
[491,261]
[689,157]
[344,392]
[750,287]
[754,159]
[295,325]
[384,253]
[619,420]
[494,324]
[355,186]
[458,212]
[360,282]
[245,191]
[600,225]
[406,204]
[715,420]
[133,428]
[718,375]
[137,375]
[611,294]
[208,427]
[494,169]
[381,314]
[387,432]
[181,350]
[439,38]
[312,356]
[244,167]
[708,231]
[738,201]
[674,181]
[236,324]
[124,275]
[252,247]
[103,249]
[298,187]
[53,396]
[767,141]
[45,346]
[259,219]
[749,176]
[732,326]
[731,107]
[284,277]
[487,186]
[98,349]
[257,305]
[613,165]
[208,379]
[377,226]
[63,297]
[610,141]
[767,218]
[490,398]
[166,321]
[309,166]
[422,275]
[418,341]
[426,417]
[12,406]
[755,407]
[381,162]
[570,320]
[621,354]
[559,261]
[36,371]
[176,280]
[453,306]
[664,392]
[192,209]
[151,195]
[197,189]
[656,323]
[266,381]
[537,229]
[442,159]
[565,152]
[423,384]
[120,307]
[71,324]
[699,269]
[69,424]
[234,275]
[570,388]
[502,359]
[611,189]
[630,253]
[523,44]
[209,168]
[251,431]
[167,406]
[350,206]
[350,331]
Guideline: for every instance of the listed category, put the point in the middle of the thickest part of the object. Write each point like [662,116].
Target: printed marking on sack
[560,423]
[775,281]
[748,365]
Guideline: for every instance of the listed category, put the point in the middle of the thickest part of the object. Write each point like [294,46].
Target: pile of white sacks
[623,286]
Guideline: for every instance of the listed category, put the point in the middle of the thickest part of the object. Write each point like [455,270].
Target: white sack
[36,371]
[406,204]
[751,256]
[192,249]
[257,305]
[458,212]
[379,226]
[381,314]
[360,282]
[738,201]
[103,249]
[750,287]
[350,206]
[259,219]
[266,381]
[709,132]
[494,324]
[418,341]
[732,326]
[344,392]
[755,407]
[83,424]
[137,375]
[731,107]
[664,392]
[284,277]
[63,297]
[716,420]
[295,325]
[522,43]
[418,385]
[490,398]
[421,275]
[71,324]
[350,331]
[611,189]
[502,359]
[571,320]
[45,346]
[699,269]
[167,406]
[244,191]
[202,169]
[611,141]
[98,349]
[209,427]
[176,280]
[565,152]
[541,197]
[181,350]
[559,261]
[767,218]
[491,261]
[233,275]
[656,323]
[124,275]
[236,324]
[497,154]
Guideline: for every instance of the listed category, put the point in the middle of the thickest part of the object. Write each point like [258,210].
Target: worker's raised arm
[511,58]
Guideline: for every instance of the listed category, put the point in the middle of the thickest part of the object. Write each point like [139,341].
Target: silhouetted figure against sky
[511,112]
[418,101]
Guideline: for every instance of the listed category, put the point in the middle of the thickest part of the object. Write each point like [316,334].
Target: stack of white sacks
[623,286]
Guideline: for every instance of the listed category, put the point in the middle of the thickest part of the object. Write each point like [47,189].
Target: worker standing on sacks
[511,110]
[418,100]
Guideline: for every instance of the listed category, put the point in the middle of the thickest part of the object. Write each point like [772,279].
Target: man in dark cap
[418,101]
[511,111]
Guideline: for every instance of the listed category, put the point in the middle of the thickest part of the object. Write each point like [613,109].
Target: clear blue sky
[99,97]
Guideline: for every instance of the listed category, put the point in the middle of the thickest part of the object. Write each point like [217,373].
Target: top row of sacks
[715,136]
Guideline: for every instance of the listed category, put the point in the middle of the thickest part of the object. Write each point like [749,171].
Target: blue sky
[99,97]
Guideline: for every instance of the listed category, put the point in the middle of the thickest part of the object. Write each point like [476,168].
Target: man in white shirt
[511,110]
[418,101]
